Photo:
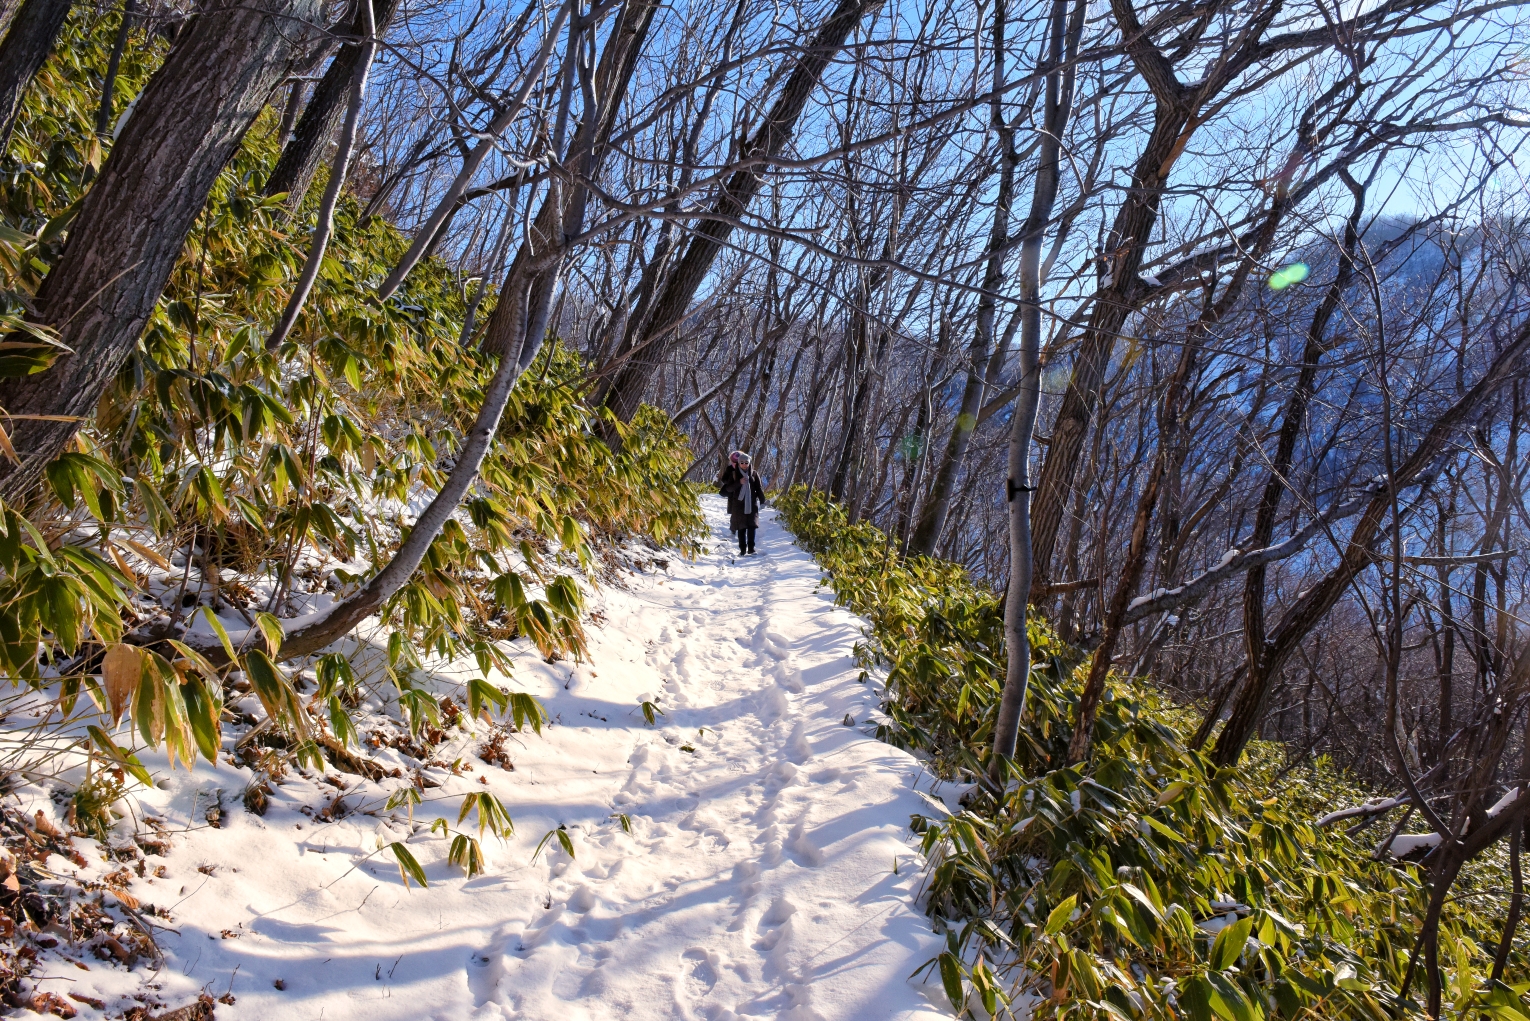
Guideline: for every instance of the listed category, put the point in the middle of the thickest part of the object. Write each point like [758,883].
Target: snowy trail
[769,871]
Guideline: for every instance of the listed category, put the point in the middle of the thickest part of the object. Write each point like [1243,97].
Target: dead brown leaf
[121,671]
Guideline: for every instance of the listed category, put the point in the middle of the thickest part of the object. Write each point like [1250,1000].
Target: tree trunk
[436,225]
[109,83]
[343,617]
[337,174]
[772,431]
[135,218]
[1293,418]
[556,221]
[856,413]
[303,154]
[516,328]
[1059,102]
[822,381]
[1173,424]
[1119,294]
[8,9]
[25,49]
[628,386]
[983,362]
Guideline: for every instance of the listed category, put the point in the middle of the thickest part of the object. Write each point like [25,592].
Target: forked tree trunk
[630,383]
[516,330]
[1315,603]
[1293,418]
[983,362]
[135,218]
[341,168]
[1173,422]
[439,221]
[1177,114]
[304,152]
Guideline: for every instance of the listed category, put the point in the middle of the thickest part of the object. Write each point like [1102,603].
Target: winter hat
[733,457]
[741,455]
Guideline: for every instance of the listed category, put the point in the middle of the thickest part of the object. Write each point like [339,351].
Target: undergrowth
[227,488]
[1144,883]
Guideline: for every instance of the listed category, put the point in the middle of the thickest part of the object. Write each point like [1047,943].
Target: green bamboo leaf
[481,694]
[1195,997]
[211,488]
[408,867]
[335,674]
[340,724]
[156,510]
[127,760]
[217,626]
[277,696]
[1143,901]
[491,814]
[987,988]
[1228,946]
[563,840]
[650,711]
[421,708]
[60,223]
[564,597]
[1059,916]
[60,597]
[1228,1000]
[467,854]
[203,709]
[524,709]
[87,488]
[1172,792]
[38,542]
[272,629]
[951,978]
[408,795]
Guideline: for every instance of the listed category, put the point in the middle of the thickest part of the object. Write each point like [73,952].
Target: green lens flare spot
[1288,275]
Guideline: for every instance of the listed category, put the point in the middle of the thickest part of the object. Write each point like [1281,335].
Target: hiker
[741,485]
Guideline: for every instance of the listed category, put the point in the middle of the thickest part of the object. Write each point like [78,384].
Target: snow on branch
[1236,561]
[1407,843]
[1367,809]
[1506,802]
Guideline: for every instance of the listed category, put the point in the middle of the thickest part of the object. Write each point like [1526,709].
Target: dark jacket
[731,484]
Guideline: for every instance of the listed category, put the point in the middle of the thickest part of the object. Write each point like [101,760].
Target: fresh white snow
[769,871]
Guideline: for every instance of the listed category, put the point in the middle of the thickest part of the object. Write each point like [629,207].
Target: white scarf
[748,491]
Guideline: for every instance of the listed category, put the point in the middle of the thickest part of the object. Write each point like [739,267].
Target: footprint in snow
[797,840]
[583,899]
[797,747]
[485,969]
[698,969]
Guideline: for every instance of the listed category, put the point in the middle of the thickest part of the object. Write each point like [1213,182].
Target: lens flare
[1288,275]
[911,446]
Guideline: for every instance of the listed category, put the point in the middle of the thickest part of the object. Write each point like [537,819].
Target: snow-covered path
[768,873]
